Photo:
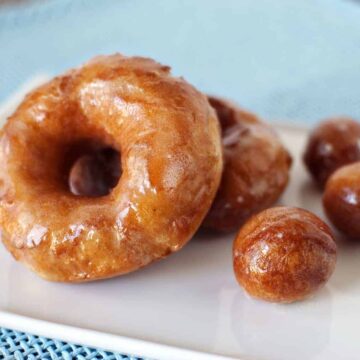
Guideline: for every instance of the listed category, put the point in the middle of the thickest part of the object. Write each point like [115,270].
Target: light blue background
[286,60]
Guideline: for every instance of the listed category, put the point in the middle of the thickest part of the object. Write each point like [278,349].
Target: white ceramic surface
[192,301]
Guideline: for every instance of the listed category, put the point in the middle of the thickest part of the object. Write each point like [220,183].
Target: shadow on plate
[282,331]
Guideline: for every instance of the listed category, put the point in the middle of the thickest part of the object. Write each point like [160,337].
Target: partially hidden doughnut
[333,143]
[256,167]
[284,254]
[341,200]
[160,141]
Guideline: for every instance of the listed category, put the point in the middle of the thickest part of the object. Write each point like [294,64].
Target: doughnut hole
[341,200]
[284,254]
[332,144]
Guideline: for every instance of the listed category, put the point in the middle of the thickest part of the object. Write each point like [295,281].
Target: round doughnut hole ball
[332,144]
[284,254]
[341,200]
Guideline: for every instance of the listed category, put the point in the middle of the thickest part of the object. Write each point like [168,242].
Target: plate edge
[97,339]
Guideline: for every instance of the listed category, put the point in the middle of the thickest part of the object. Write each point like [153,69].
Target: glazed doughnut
[333,143]
[256,167]
[284,254]
[162,141]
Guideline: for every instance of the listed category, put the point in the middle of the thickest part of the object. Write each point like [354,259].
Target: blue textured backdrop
[295,60]
[15,345]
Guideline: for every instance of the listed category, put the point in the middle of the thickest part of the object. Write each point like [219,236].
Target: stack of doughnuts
[116,164]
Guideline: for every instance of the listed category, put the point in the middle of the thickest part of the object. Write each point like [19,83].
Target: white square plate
[189,305]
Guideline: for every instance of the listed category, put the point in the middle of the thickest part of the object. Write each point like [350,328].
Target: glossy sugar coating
[168,138]
[332,144]
[341,199]
[283,254]
[256,167]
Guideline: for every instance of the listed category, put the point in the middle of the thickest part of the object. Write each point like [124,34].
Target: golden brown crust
[341,199]
[168,138]
[333,143]
[283,254]
[256,167]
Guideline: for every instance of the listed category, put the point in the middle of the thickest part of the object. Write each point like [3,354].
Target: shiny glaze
[256,167]
[341,199]
[332,144]
[168,138]
[284,254]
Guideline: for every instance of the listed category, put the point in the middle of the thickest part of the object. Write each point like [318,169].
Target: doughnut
[69,216]
[256,167]
[341,200]
[284,254]
[333,143]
